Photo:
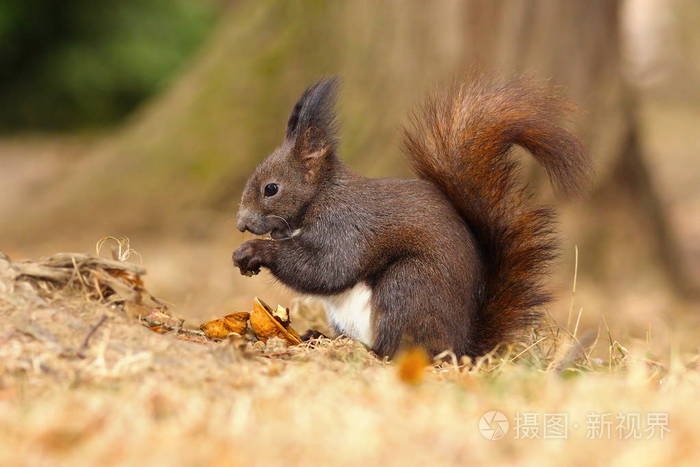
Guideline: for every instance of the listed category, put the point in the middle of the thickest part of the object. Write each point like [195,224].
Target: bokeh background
[143,118]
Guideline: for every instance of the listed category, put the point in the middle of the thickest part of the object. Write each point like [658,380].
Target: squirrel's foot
[312,334]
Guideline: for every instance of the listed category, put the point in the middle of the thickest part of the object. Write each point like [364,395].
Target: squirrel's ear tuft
[312,123]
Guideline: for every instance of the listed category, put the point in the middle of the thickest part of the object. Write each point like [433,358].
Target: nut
[265,324]
[237,322]
[214,329]
[221,327]
[281,314]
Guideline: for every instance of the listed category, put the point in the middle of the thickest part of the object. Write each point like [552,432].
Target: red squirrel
[454,260]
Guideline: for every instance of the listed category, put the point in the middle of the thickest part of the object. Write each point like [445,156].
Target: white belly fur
[351,312]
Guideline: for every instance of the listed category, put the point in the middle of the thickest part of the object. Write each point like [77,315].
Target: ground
[76,389]
[84,382]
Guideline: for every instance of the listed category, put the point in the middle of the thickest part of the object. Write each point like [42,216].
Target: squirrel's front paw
[249,257]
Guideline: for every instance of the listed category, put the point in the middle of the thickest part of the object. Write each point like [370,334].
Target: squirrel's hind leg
[407,312]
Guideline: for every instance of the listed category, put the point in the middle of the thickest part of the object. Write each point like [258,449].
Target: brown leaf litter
[119,283]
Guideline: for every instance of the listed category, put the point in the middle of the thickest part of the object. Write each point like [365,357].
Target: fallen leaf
[412,364]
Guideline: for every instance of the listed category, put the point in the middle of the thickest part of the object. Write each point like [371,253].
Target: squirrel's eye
[271,189]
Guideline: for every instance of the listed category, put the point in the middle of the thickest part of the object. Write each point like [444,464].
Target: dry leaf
[412,365]
[156,317]
[192,337]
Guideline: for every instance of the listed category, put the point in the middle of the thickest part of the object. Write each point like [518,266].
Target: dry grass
[83,383]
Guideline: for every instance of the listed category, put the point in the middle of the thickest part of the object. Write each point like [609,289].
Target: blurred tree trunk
[191,149]
[579,45]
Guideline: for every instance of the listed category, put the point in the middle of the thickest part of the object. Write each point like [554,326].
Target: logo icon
[493,425]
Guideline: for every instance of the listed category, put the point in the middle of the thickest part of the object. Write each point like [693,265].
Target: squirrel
[453,260]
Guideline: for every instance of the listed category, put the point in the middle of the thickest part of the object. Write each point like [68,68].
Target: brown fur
[461,142]
[454,261]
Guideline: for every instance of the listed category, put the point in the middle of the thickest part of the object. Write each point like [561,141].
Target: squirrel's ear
[312,125]
[313,161]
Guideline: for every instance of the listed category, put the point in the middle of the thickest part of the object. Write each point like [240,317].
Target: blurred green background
[80,63]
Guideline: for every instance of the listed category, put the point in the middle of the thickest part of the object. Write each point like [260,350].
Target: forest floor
[612,379]
[84,382]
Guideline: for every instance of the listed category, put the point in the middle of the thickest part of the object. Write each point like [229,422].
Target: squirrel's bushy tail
[461,142]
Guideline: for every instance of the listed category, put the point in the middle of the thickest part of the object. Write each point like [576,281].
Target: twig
[178,330]
[86,342]
[98,288]
[573,289]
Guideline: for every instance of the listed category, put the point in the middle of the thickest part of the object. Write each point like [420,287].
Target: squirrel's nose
[242,220]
